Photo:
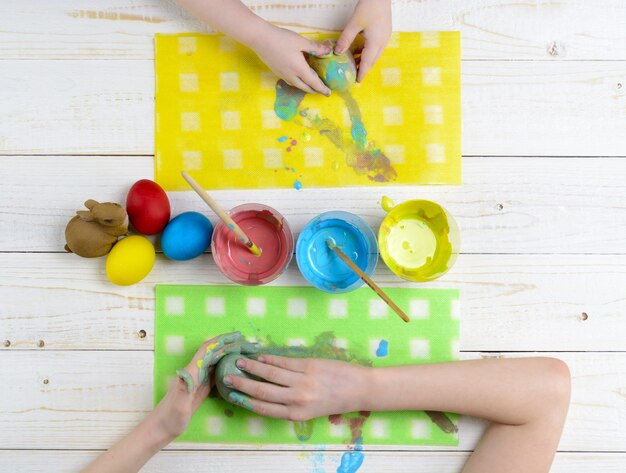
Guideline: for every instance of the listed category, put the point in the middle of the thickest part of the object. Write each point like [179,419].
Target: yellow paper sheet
[215,118]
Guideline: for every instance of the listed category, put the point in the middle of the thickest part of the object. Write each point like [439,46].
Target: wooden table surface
[542,213]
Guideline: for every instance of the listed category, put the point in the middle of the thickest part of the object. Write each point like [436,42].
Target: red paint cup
[269,230]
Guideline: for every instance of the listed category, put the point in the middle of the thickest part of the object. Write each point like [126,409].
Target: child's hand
[300,389]
[195,381]
[372,18]
[200,368]
[283,52]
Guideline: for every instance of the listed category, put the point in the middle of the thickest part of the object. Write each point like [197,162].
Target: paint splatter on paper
[288,100]
[383,349]
[303,430]
[362,156]
[352,460]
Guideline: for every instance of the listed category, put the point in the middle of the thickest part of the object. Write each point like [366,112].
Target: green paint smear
[304,430]
[323,347]
[288,99]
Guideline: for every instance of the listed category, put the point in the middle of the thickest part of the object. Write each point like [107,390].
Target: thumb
[347,37]
[369,56]
[187,378]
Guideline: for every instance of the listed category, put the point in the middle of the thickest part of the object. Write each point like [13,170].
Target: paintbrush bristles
[366,279]
[227,219]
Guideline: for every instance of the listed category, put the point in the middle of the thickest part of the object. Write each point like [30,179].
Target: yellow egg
[130,260]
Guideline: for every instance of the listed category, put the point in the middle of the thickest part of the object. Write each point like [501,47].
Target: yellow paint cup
[418,239]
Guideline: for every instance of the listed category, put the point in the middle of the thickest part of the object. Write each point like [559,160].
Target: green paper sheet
[294,316]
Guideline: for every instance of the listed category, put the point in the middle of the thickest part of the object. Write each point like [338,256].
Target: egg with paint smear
[148,207]
[228,366]
[187,236]
[130,260]
[337,71]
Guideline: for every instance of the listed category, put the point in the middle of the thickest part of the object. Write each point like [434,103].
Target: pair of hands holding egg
[282,50]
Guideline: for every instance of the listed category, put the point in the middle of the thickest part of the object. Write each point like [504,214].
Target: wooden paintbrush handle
[346,259]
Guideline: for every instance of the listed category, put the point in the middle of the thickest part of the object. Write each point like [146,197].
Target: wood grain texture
[544,239]
[50,461]
[107,107]
[509,302]
[500,29]
[93,397]
[506,205]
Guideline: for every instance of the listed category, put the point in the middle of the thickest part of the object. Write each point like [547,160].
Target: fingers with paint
[210,353]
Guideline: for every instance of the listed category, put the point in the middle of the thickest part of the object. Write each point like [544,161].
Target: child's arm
[171,416]
[526,399]
[371,18]
[282,50]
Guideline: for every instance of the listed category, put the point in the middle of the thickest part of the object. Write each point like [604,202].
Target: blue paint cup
[321,266]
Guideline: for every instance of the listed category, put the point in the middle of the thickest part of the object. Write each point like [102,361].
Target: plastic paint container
[320,266]
[269,230]
[419,240]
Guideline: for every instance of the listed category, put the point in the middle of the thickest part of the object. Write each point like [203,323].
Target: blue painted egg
[186,236]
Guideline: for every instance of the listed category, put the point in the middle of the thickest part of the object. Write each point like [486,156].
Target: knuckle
[260,392]
[271,373]
[302,399]
[261,409]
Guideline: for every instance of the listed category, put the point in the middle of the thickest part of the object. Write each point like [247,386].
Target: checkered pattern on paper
[188,315]
[215,116]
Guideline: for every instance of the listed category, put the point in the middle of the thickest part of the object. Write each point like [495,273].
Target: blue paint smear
[317,461]
[336,75]
[282,138]
[383,348]
[297,185]
[351,462]
[240,400]
[358,132]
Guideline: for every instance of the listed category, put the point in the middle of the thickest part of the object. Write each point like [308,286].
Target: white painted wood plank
[93,397]
[548,205]
[509,302]
[77,106]
[53,461]
[544,109]
[569,108]
[505,29]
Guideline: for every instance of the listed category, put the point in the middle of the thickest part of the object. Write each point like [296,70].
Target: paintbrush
[366,279]
[228,221]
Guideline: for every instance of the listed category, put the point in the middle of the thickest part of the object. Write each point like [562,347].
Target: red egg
[148,207]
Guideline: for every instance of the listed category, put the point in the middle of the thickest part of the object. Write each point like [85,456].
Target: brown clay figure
[92,233]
